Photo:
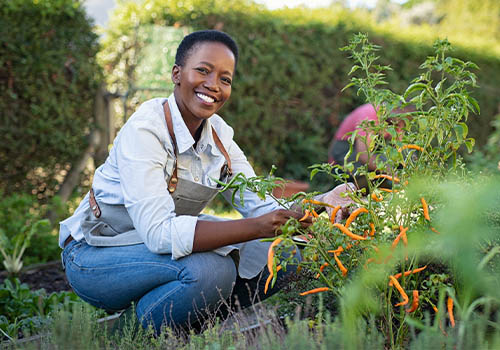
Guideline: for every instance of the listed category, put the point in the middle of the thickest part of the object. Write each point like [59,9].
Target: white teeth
[205,98]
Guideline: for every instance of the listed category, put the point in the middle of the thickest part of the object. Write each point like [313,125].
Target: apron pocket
[189,206]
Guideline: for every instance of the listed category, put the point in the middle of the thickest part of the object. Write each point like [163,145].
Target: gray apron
[109,225]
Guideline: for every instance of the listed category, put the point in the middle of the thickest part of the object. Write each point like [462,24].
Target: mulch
[49,276]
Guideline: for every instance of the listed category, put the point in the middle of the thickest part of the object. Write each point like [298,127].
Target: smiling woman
[139,235]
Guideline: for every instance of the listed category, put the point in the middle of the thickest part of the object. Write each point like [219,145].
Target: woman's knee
[210,273]
[204,281]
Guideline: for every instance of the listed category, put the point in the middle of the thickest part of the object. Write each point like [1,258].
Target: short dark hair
[191,40]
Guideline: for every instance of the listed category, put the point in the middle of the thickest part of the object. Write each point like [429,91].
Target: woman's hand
[270,223]
[337,196]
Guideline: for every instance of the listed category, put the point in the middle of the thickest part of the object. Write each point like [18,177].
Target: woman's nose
[211,83]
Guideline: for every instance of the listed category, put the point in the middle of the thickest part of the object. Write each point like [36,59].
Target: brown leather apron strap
[93,204]
[221,147]
[172,183]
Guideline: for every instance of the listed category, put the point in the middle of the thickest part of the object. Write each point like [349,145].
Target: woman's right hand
[270,223]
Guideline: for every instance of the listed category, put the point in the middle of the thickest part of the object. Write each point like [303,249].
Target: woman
[138,236]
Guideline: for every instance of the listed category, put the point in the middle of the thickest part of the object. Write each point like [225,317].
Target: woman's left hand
[337,196]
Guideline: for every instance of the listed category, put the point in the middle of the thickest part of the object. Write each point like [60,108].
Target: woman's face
[203,83]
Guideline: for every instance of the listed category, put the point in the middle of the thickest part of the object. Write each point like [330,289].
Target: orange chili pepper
[449,305]
[313,201]
[387,189]
[322,267]
[306,215]
[409,272]
[376,198]
[372,229]
[334,214]
[388,177]
[402,232]
[401,291]
[348,233]
[434,230]
[270,254]
[336,251]
[418,148]
[426,209]
[341,267]
[402,235]
[315,290]
[269,279]
[353,216]
[414,303]
[313,212]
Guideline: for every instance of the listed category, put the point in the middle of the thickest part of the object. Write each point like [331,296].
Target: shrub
[48,81]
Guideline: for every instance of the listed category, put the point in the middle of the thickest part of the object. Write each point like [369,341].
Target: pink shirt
[351,122]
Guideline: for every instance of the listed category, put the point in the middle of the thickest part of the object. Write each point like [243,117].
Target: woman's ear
[176,74]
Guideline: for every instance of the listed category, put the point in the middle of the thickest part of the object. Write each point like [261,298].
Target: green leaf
[469,143]
[347,86]
[353,69]
[413,88]
[459,132]
[422,124]
[313,173]
[474,104]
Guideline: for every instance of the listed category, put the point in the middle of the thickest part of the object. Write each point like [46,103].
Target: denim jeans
[165,291]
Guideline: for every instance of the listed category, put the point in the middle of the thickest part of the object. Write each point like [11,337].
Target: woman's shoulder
[149,115]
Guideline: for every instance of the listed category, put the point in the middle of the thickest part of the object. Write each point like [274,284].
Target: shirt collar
[182,135]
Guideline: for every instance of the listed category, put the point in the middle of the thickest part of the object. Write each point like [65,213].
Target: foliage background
[48,81]
[287,99]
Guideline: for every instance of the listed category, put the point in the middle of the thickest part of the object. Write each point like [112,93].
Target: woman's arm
[214,234]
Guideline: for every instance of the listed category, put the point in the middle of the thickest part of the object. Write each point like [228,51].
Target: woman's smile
[206,98]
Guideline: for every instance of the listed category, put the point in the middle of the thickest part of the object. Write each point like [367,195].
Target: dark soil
[49,276]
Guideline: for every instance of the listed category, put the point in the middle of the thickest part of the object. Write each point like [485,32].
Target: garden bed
[49,276]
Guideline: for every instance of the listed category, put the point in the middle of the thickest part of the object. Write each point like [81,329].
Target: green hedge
[287,98]
[48,81]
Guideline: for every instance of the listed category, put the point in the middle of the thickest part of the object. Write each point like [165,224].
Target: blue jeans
[165,291]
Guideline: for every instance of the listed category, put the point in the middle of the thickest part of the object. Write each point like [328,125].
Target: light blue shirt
[140,162]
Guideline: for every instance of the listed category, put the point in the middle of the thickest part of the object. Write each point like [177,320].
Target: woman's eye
[226,80]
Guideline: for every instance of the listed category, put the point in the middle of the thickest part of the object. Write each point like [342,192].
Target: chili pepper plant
[385,256]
